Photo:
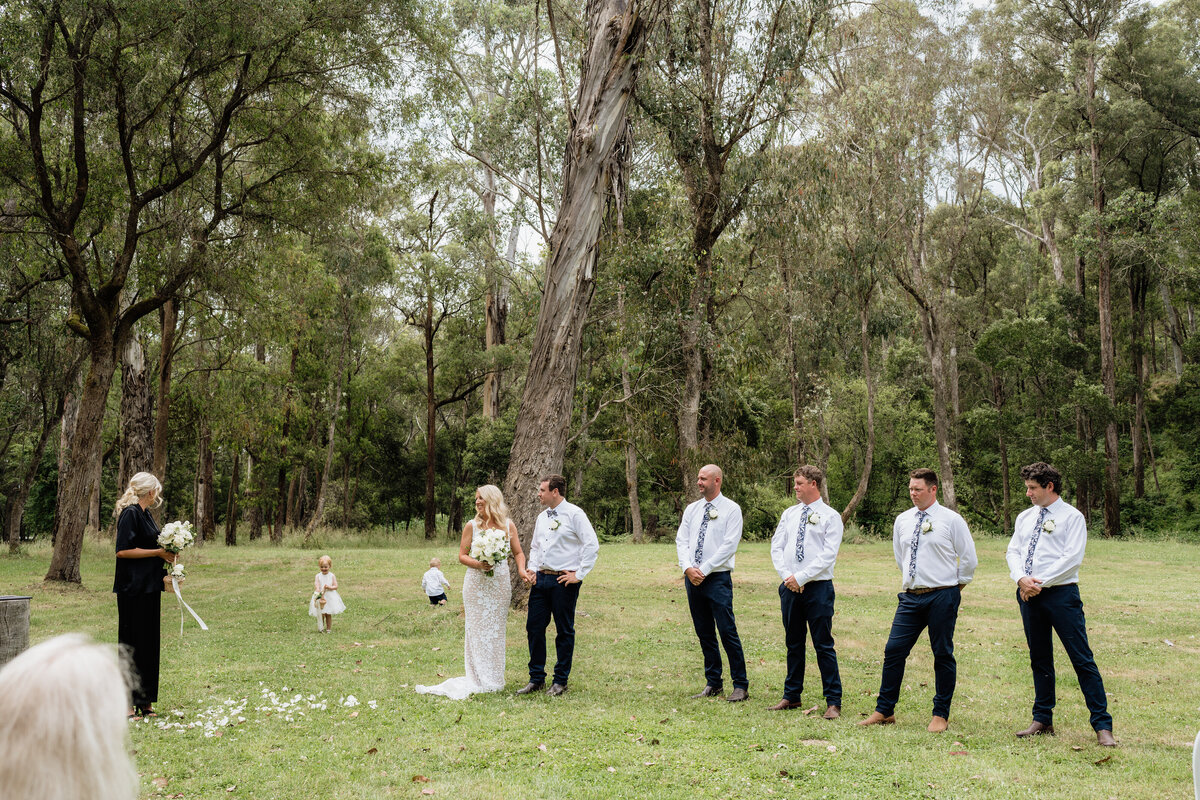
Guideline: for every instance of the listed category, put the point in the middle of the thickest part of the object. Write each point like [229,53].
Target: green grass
[627,728]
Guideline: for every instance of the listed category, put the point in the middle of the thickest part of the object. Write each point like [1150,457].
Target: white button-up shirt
[822,539]
[945,554]
[433,581]
[1059,552]
[572,546]
[721,536]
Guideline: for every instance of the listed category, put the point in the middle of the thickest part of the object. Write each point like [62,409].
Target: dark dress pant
[711,604]
[138,617]
[550,599]
[810,611]
[937,611]
[1059,609]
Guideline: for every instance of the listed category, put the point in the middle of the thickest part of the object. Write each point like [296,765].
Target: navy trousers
[1059,608]
[937,611]
[549,598]
[811,609]
[711,604]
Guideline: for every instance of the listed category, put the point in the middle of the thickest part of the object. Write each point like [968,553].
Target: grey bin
[14,626]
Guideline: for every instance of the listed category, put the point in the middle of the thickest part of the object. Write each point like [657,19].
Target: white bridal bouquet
[174,537]
[490,545]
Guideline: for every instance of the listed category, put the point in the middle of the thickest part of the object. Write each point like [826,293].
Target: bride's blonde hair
[140,485]
[495,510]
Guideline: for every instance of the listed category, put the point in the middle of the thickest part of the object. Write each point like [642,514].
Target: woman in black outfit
[139,583]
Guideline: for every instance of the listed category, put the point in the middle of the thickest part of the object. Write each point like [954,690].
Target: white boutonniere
[926,526]
[814,518]
[712,513]
[555,524]
[1048,526]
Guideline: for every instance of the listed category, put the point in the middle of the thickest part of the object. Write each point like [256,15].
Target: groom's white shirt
[572,547]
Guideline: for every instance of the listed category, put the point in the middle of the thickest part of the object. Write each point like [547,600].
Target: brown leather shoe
[1105,738]
[708,691]
[1036,729]
[530,688]
[784,705]
[938,724]
[738,695]
[832,712]
[878,719]
[556,689]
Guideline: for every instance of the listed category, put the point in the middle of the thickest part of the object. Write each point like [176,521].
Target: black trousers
[810,611]
[711,604]
[937,611]
[138,617]
[1059,608]
[548,598]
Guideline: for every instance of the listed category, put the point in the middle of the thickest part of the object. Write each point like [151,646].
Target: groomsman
[1043,558]
[936,556]
[706,544]
[562,553]
[804,550]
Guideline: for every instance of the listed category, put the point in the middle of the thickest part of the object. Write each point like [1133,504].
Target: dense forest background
[291,259]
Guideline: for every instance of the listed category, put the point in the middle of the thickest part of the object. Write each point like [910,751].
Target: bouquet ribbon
[182,605]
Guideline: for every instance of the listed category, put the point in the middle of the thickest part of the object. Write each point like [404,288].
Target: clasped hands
[566,579]
[1029,587]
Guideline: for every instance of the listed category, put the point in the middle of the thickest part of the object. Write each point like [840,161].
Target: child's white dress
[333,602]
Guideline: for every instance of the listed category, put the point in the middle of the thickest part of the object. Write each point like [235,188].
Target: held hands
[529,576]
[694,575]
[1029,587]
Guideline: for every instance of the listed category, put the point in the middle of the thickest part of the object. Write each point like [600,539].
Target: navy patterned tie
[804,512]
[1037,534]
[912,553]
[699,554]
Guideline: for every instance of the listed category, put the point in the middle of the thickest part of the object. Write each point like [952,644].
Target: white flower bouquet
[319,599]
[490,546]
[175,536]
[177,572]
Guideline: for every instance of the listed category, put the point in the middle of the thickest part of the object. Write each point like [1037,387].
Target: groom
[562,553]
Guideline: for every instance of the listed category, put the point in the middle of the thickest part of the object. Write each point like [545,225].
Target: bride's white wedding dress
[485,603]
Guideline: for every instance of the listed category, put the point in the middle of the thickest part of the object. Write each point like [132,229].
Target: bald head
[709,481]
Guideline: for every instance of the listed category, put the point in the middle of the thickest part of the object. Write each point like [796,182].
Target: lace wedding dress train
[485,603]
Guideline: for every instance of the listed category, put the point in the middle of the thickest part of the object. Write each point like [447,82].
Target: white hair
[63,729]
[140,485]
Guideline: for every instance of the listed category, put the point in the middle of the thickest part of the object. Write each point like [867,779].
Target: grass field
[238,722]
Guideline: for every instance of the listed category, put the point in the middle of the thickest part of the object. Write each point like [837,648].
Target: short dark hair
[812,473]
[556,482]
[925,474]
[1043,474]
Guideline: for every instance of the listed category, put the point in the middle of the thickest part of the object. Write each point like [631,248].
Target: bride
[485,602]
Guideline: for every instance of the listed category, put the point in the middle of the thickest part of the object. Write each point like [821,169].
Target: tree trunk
[631,470]
[79,479]
[281,486]
[864,476]
[162,411]
[1108,359]
[136,437]
[1139,286]
[1174,329]
[231,506]
[20,494]
[430,423]
[322,488]
[595,165]
[205,496]
[255,479]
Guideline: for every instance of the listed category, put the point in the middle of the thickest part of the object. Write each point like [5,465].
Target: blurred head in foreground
[63,727]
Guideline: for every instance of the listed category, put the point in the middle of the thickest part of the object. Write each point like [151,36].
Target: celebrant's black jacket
[136,528]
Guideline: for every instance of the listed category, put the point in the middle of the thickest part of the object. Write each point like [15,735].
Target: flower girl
[325,599]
